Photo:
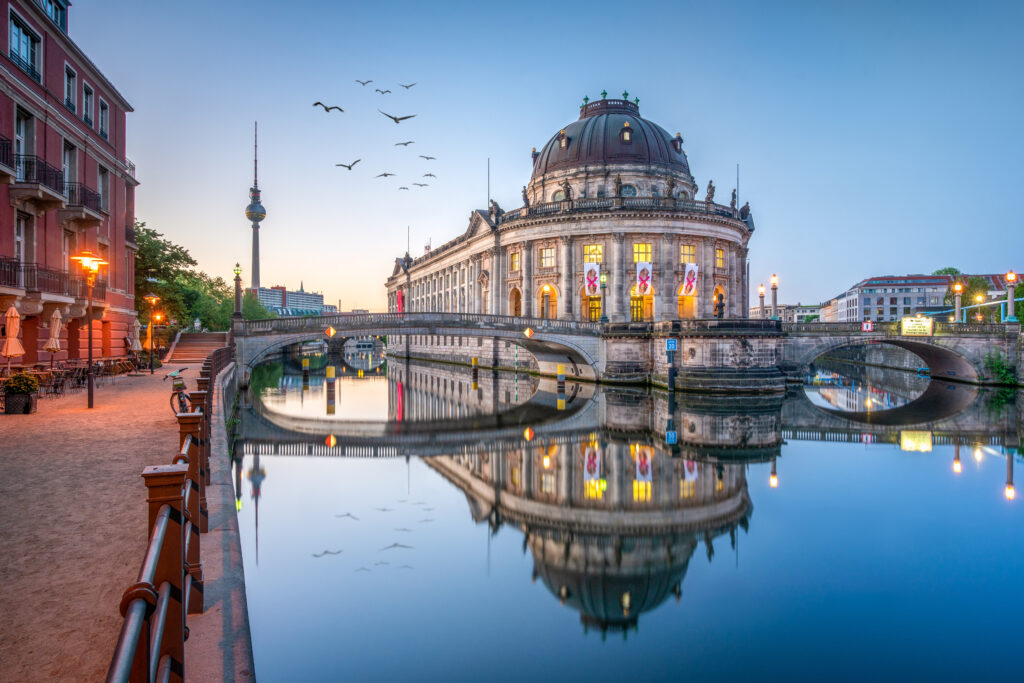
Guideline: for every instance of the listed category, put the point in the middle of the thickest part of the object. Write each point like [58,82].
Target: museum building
[611,225]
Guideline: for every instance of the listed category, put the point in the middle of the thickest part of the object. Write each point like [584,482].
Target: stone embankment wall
[878,355]
[490,353]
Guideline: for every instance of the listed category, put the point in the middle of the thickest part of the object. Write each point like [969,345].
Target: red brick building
[65,186]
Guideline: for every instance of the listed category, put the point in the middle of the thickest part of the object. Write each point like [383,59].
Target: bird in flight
[396,545]
[406,86]
[382,92]
[348,514]
[381,563]
[429,175]
[404,144]
[349,166]
[404,529]
[403,187]
[425,521]
[327,552]
[385,510]
[406,566]
[427,158]
[385,175]
[397,119]
[423,185]
[362,569]
[363,83]
[326,108]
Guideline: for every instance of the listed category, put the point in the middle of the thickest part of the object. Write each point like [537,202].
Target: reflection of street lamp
[775,296]
[1009,491]
[773,479]
[152,300]
[238,292]
[760,294]
[604,284]
[958,292]
[1011,285]
[90,263]
[957,467]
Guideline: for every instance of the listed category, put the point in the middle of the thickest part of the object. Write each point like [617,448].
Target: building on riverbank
[65,185]
[613,223]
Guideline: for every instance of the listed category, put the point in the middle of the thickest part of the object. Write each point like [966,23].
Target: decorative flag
[643,463]
[690,280]
[592,463]
[644,286]
[690,470]
[592,278]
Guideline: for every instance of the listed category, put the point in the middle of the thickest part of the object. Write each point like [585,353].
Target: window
[101,187]
[558,196]
[25,48]
[563,140]
[23,130]
[867,301]
[628,190]
[626,134]
[719,258]
[641,252]
[892,301]
[547,257]
[104,119]
[87,105]
[686,488]
[70,91]
[687,254]
[593,253]
[57,11]
[892,310]
[906,301]
[515,262]
[906,310]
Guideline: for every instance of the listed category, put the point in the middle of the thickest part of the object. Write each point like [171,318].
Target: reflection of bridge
[750,352]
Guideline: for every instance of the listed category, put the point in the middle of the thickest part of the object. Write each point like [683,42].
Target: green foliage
[949,270]
[999,369]
[265,376]
[974,286]
[21,383]
[252,309]
[810,318]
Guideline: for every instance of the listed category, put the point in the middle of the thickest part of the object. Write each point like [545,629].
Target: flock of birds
[423,507]
[398,120]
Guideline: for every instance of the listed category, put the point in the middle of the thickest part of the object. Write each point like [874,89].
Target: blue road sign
[671,437]
[671,344]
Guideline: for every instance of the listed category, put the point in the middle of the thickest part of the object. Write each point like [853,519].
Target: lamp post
[90,263]
[545,297]
[152,300]
[238,292]
[775,296]
[958,293]
[978,299]
[760,295]
[1011,285]
[604,300]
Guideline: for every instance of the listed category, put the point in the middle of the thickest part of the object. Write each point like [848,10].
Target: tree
[974,287]
[949,270]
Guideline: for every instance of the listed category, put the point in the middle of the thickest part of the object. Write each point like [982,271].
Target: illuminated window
[641,252]
[547,483]
[594,489]
[515,262]
[719,485]
[687,254]
[515,476]
[593,253]
[686,488]
[641,491]
[626,134]
[719,258]
[547,257]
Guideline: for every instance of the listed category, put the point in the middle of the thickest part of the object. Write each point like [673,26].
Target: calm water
[423,529]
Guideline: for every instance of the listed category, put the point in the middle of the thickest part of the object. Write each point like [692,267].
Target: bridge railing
[892,329]
[344,321]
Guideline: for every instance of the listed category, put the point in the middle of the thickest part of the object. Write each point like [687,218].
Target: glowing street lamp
[90,264]
[958,292]
[604,284]
[1011,285]
[775,296]
[760,294]
[152,300]
[238,292]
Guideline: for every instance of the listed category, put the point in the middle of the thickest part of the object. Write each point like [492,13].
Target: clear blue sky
[873,137]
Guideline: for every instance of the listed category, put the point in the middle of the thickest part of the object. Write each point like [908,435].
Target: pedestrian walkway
[73,523]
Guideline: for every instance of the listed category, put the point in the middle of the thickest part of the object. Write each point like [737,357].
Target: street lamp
[545,298]
[1011,285]
[978,299]
[604,284]
[958,292]
[90,263]
[152,300]
[775,296]
[238,292]
[760,294]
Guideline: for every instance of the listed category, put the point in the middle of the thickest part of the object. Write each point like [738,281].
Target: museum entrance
[686,305]
[641,308]
[515,303]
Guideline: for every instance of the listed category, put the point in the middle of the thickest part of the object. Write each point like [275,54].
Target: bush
[999,369]
[21,383]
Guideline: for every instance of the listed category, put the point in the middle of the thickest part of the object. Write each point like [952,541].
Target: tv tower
[255,211]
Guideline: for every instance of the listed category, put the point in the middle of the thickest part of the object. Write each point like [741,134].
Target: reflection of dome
[611,132]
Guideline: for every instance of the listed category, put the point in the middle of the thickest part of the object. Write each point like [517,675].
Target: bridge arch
[942,362]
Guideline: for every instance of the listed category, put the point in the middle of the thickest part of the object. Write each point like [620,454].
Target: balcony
[25,66]
[618,204]
[10,276]
[70,104]
[37,182]
[83,206]
[6,162]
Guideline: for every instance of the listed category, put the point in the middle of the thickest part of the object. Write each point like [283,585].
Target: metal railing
[33,277]
[10,272]
[80,289]
[5,152]
[32,169]
[80,195]
[397,321]
[25,66]
[129,167]
[129,234]
[616,203]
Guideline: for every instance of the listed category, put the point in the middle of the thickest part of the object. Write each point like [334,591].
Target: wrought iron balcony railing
[32,169]
[80,195]
[129,234]
[33,277]
[5,152]
[25,66]
[10,272]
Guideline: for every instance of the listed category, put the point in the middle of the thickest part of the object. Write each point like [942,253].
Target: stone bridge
[713,355]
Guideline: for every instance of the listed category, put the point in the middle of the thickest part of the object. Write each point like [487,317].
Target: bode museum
[613,226]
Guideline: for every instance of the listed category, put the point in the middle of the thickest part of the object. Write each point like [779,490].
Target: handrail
[343,321]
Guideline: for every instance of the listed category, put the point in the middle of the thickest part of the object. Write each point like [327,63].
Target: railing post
[165,485]
[191,425]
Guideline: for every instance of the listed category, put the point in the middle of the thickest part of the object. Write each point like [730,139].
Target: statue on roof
[732,202]
[567,189]
[670,192]
[495,211]
[745,211]
[711,192]
[618,186]
[526,198]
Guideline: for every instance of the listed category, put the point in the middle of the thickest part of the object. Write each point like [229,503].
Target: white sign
[690,471]
[592,463]
[690,280]
[644,279]
[643,463]
[592,278]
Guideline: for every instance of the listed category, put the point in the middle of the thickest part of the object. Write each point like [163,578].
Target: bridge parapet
[398,321]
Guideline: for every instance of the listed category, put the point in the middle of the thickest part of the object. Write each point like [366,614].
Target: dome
[611,132]
[255,211]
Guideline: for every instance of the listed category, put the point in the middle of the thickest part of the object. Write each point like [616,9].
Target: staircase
[194,347]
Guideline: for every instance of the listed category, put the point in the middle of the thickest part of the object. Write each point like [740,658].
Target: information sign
[671,344]
[916,327]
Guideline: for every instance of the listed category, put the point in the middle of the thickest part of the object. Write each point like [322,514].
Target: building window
[892,301]
[563,140]
[70,91]
[57,11]
[906,310]
[87,105]
[593,253]
[641,252]
[687,254]
[626,134]
[515,262]
[25,49]
[719,258]
[906,301]
[101,187]
[628,190]
[547,257]
[104,119]
[558,196]
[686,488]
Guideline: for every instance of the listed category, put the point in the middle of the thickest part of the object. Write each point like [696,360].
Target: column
[567,279]
[497,280]
[617,287]
[529,305]
[707,281]
[744,285]
[477,289]
[734,284]
[665,303]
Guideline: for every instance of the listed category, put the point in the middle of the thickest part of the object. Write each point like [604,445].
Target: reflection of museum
[611,195]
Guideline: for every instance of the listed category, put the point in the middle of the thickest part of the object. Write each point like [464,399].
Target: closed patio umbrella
[12,345]
[137,330]
[53,343]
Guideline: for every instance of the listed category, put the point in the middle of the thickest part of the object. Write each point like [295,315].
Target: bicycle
[180,399]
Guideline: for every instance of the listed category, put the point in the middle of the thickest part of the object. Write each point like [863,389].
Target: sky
[872,137]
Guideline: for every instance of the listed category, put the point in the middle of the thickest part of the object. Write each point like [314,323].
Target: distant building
[330,308]
[287,303]
[891,297]
[789,313]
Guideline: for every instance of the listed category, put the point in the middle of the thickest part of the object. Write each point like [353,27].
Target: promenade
[73,531]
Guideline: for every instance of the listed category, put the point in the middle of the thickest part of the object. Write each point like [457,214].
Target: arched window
[628,190]
[558,196]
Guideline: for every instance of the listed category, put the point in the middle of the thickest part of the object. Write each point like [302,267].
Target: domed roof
[611,132]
